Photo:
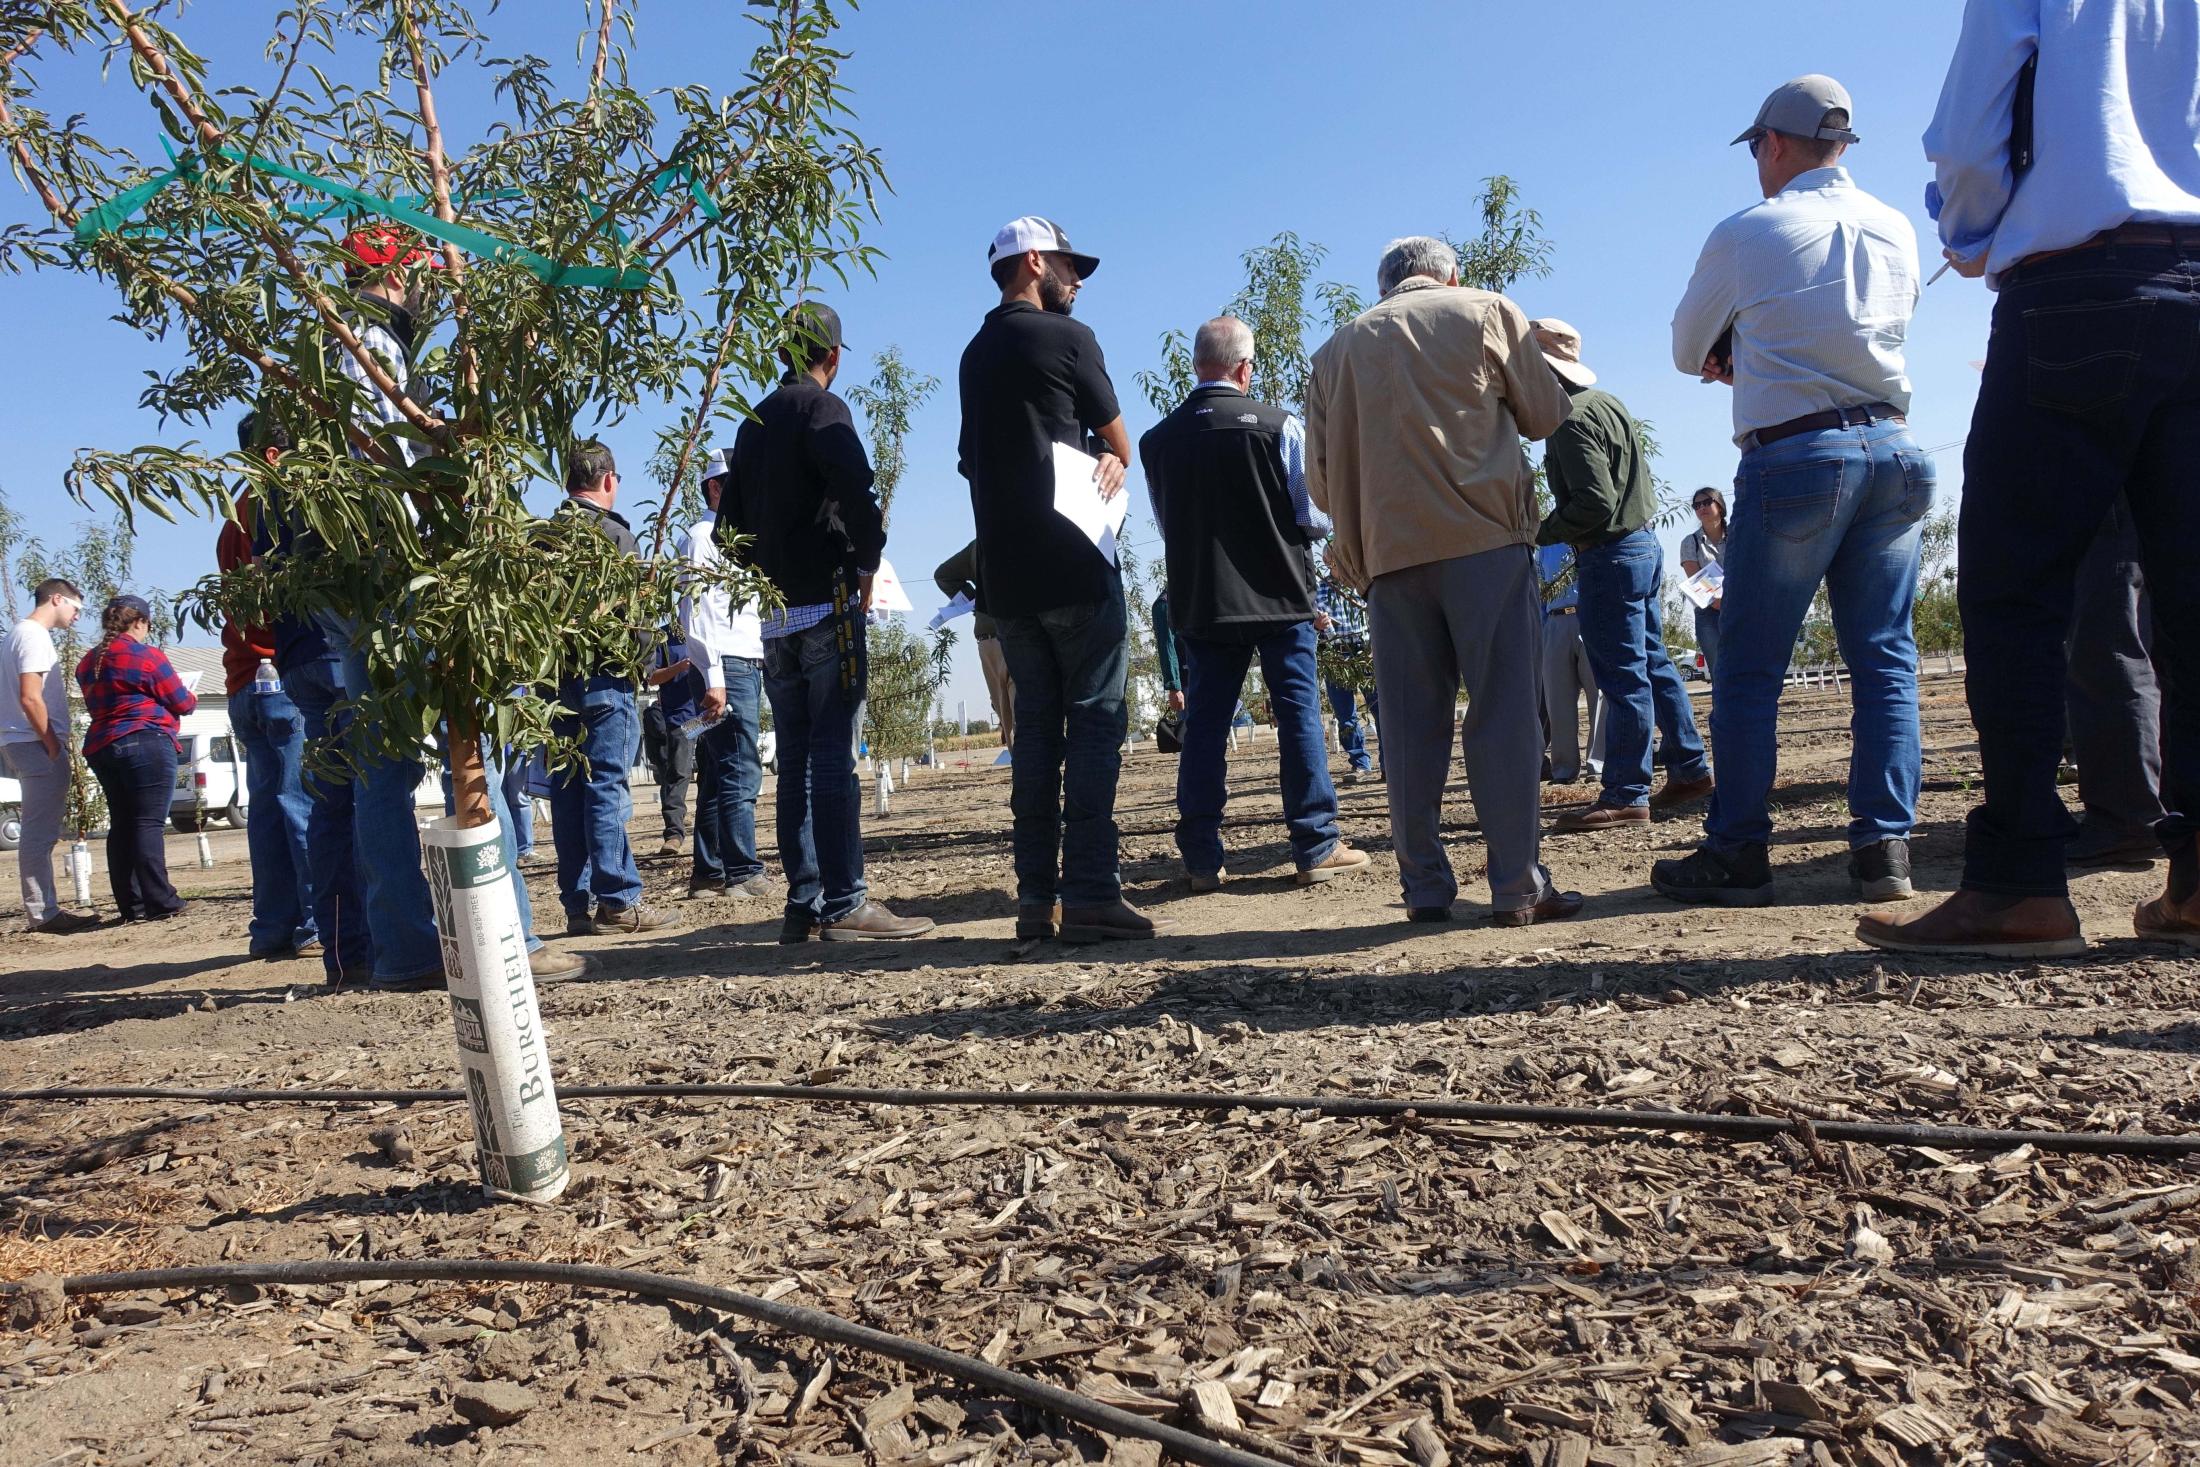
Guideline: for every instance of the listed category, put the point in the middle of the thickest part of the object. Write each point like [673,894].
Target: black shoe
[1556,906]
[1702,878]
[1881,872]
[797,927]
[1035,923]
[2099,847]
[1428,914]
[582,925]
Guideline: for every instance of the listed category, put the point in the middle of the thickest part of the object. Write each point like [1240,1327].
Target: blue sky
[1168,138]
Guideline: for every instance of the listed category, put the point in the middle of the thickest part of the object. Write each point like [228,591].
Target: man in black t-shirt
[1033,378]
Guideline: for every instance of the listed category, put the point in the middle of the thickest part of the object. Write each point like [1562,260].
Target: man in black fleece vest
[1227,476]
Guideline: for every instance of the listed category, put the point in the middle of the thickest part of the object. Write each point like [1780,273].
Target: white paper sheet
[1705,585]
[1077,499]
[962,605]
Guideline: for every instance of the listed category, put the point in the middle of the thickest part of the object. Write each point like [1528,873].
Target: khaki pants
[999,687]
[1473,621]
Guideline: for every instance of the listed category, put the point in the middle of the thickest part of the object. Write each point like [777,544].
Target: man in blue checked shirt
[1340,618]
[2091,396]
[1566,675]
[1227,476]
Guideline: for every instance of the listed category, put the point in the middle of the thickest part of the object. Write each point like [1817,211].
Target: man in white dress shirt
[1801,304]
[727,645]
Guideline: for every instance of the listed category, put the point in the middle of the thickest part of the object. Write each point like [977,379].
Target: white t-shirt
[29,649]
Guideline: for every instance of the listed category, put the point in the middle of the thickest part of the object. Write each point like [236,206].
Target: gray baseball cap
[1803,108]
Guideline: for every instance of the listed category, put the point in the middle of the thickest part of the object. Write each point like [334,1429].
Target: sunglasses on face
[1706,503]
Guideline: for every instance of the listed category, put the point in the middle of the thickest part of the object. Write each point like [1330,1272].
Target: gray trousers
[45,782]
[1566,681]
[1434,628]
[2113,700]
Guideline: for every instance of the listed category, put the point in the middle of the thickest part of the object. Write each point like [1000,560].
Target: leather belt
[2173,236]
[1851,417]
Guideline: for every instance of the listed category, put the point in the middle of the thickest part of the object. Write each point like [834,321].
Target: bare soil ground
[1361,1291]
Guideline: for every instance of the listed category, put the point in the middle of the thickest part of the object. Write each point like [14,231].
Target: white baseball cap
[720,465]
[1034,233]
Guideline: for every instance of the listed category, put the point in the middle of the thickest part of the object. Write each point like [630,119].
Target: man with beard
[1033,378]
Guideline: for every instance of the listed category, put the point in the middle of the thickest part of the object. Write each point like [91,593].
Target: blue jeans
[273,734]
[504,773]
[589,810]
[386,842]
[2091,392]
[1213,674]
[1349,736]
[137,774]
[513,784]
[1620,630]
[1068,665]
[332,867]
[729,773]
[1707,641]
[816,680]
[1843,506]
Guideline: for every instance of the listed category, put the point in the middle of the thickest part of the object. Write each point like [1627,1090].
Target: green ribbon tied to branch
[118,211]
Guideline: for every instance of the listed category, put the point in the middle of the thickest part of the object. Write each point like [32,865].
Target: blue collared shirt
[2116,109]
[1294,468]
[1818,283]
[1551,562]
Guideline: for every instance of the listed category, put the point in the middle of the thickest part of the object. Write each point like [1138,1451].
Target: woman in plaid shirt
[134,698]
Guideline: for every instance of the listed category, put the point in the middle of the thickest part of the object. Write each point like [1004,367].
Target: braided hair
[117,619]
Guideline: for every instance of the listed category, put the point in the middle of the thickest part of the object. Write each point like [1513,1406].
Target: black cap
[813,329]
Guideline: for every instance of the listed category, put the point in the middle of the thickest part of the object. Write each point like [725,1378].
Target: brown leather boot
[2165,919]
[1118,921]
[872,922]
[1600,816]
[1680,792]
[1981,924]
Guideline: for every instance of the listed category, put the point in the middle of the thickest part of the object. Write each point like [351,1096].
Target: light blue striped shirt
[2116,111]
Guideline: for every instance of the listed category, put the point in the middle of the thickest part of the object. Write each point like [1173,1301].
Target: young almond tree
[586,254]
[907,671]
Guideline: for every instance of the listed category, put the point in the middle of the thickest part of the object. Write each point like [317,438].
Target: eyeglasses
[1753,142]
[1706,503]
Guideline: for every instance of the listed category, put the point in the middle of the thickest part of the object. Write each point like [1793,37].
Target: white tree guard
[80,874]
[518,1136]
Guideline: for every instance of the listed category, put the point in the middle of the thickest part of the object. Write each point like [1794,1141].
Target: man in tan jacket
[1415,413]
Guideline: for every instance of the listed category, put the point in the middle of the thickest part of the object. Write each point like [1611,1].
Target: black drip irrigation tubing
[793,1318]
[1596,1118]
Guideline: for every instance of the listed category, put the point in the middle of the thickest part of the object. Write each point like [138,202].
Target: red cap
[385,244]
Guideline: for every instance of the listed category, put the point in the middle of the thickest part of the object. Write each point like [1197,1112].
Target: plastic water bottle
[697,726]
[266,680]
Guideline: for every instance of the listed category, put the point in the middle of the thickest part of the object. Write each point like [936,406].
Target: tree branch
[603,48]
[439,177]
[156,62]
[183,296]
[734,312]
[22,47]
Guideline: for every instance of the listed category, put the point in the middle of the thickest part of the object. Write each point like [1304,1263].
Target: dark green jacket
[1598,474]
